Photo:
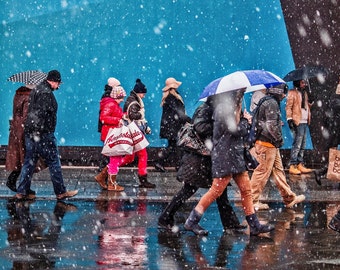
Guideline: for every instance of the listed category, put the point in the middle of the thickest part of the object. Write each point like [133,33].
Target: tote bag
[138,137]
[118,142]
[333,172]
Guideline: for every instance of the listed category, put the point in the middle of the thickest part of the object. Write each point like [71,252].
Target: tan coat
[293,106]
[16,145]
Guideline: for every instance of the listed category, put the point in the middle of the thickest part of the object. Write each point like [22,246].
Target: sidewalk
[82,178]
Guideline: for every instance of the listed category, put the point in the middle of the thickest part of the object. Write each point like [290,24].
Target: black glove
[291,124]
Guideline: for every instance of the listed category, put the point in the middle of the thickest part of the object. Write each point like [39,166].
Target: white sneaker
[260,206]
[296,200]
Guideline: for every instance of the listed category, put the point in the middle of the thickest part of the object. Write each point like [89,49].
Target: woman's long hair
[173,92]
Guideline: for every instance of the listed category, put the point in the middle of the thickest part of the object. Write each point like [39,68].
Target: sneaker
[296,200]
[294,170]
[303,169]
[67,194]
[261,206]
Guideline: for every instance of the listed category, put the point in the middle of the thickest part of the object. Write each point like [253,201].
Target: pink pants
[118,161]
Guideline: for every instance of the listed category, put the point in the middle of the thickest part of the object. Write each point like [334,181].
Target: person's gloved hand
[291,124]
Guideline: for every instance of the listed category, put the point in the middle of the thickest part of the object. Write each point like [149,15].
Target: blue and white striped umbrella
[250,79]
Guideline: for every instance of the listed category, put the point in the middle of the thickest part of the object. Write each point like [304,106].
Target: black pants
[227,214]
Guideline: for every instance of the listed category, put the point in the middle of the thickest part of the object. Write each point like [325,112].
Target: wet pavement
[107,230]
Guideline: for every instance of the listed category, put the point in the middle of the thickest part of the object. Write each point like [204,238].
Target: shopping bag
[333,172]
[138,137]
[118,142]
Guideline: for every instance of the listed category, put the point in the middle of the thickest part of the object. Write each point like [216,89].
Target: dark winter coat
[228,142]
[135,108]
[110,115]
[42,110]
[173,117]
[195,169]
[270,123]
[334,120]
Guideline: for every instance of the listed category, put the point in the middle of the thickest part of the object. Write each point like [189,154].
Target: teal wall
[89,41]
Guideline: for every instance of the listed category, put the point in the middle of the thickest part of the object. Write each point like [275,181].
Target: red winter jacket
[110,115]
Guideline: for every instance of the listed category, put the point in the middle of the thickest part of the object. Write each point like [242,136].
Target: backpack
[255,129]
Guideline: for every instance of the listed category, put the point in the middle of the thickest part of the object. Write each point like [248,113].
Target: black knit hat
[54,76]
[139,87]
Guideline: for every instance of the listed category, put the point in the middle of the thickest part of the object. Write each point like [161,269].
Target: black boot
[144,183]
[334,224]
[256,227]
[191,224]
[12,179]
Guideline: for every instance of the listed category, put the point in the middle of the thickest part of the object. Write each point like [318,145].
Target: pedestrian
[332,123]
[173,118]
[40,140]
[102,177]
[16,142]
[111,115]
[229,130]
[267,151]
[195,173]
[298,118]
[134,111]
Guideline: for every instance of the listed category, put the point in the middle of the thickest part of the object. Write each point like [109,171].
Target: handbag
[333,172]
[189,140]
[250,160]
[139,141]
[118,142]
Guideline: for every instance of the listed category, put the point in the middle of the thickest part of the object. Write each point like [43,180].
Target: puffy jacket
[110,115]
[293,106]
[269,120]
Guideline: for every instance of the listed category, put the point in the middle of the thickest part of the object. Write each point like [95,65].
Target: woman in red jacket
[111,116]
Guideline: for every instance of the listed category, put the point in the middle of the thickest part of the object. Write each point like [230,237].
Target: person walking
[102,176]
[229,130]
[173,118]
[267,151]
[111,115]
[16,142]
[298,118]
[40,140]
[134,111]
[195,173]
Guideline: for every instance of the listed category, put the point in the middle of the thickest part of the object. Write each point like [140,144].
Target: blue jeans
[299,144]
[44,146]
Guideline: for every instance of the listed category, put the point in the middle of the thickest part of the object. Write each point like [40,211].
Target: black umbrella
[305,73]
[28,77]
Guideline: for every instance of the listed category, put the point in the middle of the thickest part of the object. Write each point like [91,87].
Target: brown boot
[303,169]
[112,184]
[294,170]
[101,178]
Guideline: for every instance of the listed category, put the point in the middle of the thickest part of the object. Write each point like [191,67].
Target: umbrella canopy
[28,77]
[250,79]
[305,73]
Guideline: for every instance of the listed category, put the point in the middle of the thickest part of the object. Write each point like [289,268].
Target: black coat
[227,154]
[195,169]
[42,110]
[173,117]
